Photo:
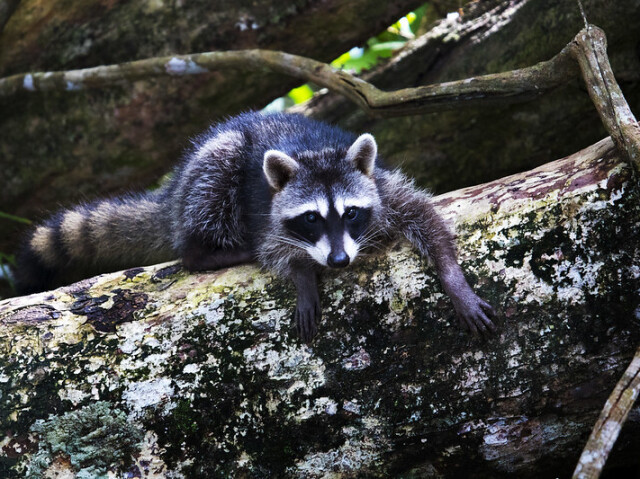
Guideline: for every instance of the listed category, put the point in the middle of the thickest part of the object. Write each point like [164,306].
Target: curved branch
[586,54]
[589,48]
[517,85]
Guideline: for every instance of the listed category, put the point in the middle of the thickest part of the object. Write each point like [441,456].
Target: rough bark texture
[58,148]
[450,150]
[203,376]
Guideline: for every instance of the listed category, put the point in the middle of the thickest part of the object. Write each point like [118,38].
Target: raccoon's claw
[306,321]
[474,313]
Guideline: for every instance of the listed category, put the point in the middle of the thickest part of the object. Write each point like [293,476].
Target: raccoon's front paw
[474,313]
[307,318]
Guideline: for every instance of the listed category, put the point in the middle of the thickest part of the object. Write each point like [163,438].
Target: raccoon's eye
[311,217]
[351,213]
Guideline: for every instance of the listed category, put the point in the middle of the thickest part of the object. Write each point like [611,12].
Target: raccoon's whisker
[374,238]
[368,234]
[370,238]
[369,246]
[297,239]
[290,241]
[376,245]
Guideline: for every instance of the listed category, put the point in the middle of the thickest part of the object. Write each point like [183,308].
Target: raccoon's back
[289,133]
[218,195]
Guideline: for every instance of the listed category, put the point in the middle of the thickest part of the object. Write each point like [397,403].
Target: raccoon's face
[327,212]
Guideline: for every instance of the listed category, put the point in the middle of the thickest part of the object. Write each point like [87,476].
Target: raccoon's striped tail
[94,238]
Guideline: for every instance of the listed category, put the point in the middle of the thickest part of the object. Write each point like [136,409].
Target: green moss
[94,438]
[186,418]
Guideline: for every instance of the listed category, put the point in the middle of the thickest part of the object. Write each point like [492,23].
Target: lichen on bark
[210,368]
[93,439]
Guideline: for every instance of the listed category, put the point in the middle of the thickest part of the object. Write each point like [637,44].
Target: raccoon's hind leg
[198,257]
[308,311]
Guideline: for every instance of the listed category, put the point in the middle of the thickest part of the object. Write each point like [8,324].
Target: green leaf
[341,60]
[19,219]
[301,94]
[415,18]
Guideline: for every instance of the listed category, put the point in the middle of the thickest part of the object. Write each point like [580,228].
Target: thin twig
[584,16]
[607,428]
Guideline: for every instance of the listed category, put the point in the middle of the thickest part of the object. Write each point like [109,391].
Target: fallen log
[157,373]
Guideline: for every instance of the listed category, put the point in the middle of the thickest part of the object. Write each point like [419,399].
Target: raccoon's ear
[279,168]
[363,153]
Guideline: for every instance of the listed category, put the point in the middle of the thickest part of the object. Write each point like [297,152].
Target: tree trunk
[202,375]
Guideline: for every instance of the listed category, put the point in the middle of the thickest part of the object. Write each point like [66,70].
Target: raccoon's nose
[338,260]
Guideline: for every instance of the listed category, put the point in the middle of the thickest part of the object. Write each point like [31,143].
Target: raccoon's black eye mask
[310,226]
[356,220]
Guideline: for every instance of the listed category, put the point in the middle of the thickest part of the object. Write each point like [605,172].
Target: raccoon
[294,194]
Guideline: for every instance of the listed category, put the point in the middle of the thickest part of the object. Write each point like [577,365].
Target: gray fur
[205,199]
[279,189]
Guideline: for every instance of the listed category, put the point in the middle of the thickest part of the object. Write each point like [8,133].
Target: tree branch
[613,416]
[587,51]
[590,51]
[517,85]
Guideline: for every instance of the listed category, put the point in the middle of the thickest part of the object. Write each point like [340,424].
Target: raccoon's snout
[338,260]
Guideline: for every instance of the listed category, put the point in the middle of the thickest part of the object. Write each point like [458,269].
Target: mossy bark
[211,375]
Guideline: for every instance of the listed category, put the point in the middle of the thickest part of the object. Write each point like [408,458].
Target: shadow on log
[162,374]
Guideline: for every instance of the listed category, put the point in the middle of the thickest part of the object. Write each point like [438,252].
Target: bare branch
[586,53]
[590,51]
[613,415]
[517,85]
